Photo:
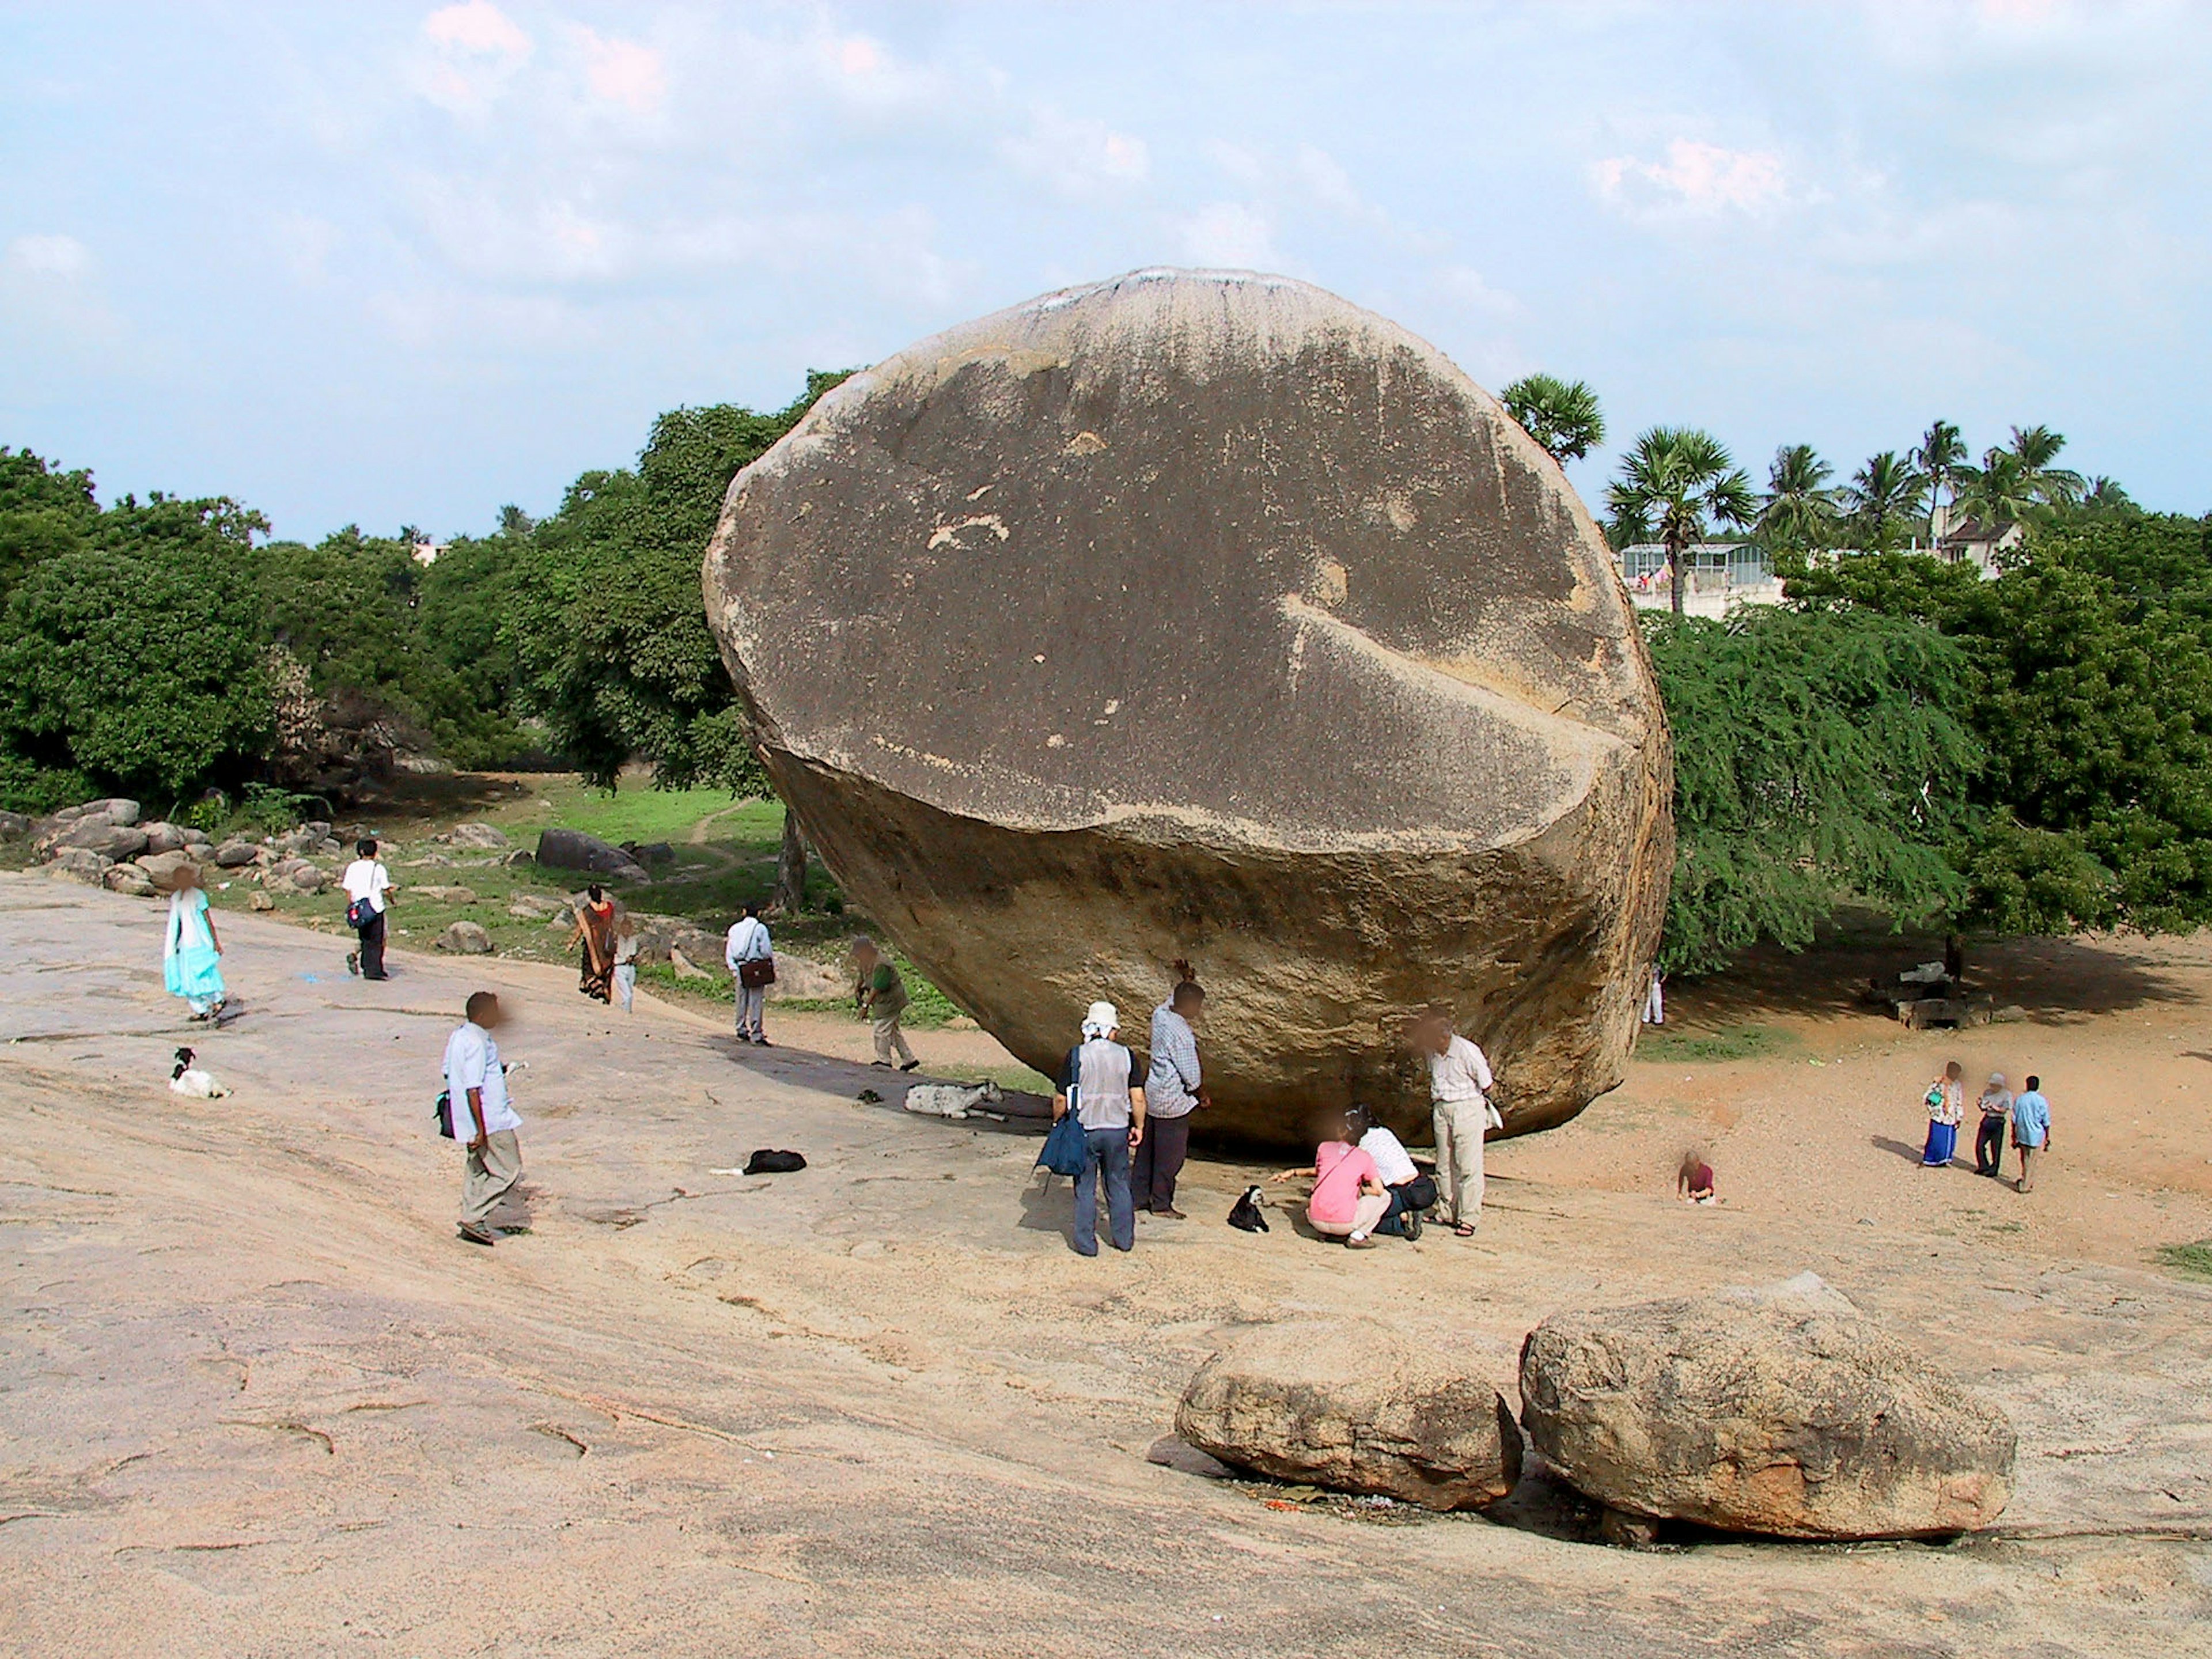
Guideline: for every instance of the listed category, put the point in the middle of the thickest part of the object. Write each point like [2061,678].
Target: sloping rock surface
[1204,615]
[1352,1405]
[1785,1411]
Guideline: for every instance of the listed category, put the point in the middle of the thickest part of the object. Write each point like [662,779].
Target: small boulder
[14,826]
[236,854]
[116,810]
[1785,1413]
[799,978]
[1352,1404]
[127,878]
[194,837]
[465,938]
[480,835]
[520,857]
[444,895]
[686,968]
[161,868]
[261,902]
[294,876]
[80,864]
[162,837]
[110,840]
[572,850]
[535,907]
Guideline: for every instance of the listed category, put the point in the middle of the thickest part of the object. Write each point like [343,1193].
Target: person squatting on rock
[1694,1181]
[368,889]
[1997,1114]
[1173,1090]
[191,954]
[748,943]
[1095,1084]
[483,1122]
[1412,1192]
[879,993]
[1349,1200]
[1945,1101]
[2031,1129]
[1460,1082]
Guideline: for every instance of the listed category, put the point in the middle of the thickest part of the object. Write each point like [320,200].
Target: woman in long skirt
[595,929]
[191,955]
[1945,1101]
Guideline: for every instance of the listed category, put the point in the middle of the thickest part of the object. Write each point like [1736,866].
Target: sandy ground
[259,1400]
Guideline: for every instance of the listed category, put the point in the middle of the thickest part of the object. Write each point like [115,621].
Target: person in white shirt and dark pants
[368,885]
[483,1121]
[748,943]
[1459,1094]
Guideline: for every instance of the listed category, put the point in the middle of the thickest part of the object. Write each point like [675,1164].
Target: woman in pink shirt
[1348,1196]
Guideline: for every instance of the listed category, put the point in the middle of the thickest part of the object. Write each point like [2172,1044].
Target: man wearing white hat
[1095,1085]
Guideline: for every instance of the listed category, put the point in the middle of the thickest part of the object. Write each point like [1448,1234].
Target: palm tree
[1940,460]
[1563,415]
[1800,509]
[1679,477]
[2037,448]
[1881,496]
[2000,491]
[513,521]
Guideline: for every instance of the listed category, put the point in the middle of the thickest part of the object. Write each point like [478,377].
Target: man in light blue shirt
[1172,1093]
[2031,1129]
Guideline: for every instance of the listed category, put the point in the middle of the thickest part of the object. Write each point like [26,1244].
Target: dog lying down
[189,1079]
[952,1099]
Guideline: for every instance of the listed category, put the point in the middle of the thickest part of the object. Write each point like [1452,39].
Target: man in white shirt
[1459,1092]
[748,942]
[367,886]
[1410,1192]
[483,1122]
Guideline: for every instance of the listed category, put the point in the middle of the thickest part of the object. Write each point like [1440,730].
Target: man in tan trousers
[483,1122]
[1459,1095]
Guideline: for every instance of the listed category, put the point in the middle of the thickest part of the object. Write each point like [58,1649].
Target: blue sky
[400,263]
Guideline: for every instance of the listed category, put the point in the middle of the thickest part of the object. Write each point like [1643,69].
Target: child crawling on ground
[1694,1180]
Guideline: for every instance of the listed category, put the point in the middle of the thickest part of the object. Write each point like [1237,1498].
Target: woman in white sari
[191,964]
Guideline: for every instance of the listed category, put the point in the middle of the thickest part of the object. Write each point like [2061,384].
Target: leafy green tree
[610,635]
[1799,511]
[43,511]
[1678,478]
[1884,498]
[1817,757]
[1563,415]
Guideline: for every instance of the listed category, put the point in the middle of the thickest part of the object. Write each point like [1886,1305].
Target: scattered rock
[80,864]
[1784,1411]
[1352,1405]
[684,968]
[127,878]
[261,902]
[481,836]
[162,837]
[650,852]
[535,907]
[195,838]
[110,840]
[116,810]
[519,857]
[236,854]
[295,876]
[1421,755]
[14,826]
[801,979]
[161,868]
[466,939]
[430,860]
[444,895]
[572,850]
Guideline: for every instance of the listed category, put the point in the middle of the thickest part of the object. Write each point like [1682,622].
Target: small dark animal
[766,1162]
[1247,1216]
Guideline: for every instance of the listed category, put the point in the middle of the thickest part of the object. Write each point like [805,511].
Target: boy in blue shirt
[2031,1129]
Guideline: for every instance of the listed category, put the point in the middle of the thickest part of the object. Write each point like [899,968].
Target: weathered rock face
[1351,1405]
[1785,1411]
[1206,616]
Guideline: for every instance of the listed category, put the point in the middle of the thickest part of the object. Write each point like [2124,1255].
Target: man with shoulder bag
[749,955]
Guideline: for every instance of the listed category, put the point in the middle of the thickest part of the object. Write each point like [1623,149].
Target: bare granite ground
[259,1400]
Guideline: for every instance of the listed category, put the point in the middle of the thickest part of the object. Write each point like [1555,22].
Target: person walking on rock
[368,889]
[595,932]
[880,995]
[483,1121]
[1996,1115]
[191,954]
[1459,1083]
[1945,1101]
[1095,1084]
[749,955]
[2030,1130]
[1173,1090]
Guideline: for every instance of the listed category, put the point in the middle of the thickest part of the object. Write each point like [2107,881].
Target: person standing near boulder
[1990,1138]
[483,1121]
[368,888]
[749,955]
[2030,1130]
[1459,1083]
[1173,1090]
[880,994]
[191,954]
[1095,1084]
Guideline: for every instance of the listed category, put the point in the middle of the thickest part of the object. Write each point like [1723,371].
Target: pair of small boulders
[1785,1413]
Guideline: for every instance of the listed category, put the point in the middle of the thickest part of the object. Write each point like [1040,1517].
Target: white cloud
[50,254]
[1231,235]
[1696,178]
[1078,158]
[475,51]
[1466,286]
[476,26]
[623,71]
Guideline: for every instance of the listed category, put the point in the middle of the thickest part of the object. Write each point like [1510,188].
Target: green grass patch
[1727,1042]
[636,810]
[2190,1261]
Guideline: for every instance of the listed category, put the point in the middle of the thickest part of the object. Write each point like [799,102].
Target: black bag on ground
[768,1161]
[1246,1215]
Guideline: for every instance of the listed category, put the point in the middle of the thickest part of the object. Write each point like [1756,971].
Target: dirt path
[257,1398]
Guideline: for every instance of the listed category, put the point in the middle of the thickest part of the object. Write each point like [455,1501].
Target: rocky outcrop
[572,850]
[1785,1411]
[1205,616]
[1352,1405]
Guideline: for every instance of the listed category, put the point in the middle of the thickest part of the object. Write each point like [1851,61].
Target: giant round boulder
[1205,616]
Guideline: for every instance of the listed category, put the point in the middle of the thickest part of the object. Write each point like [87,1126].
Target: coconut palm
[2000,491]
[1679,477]
[1799,508]
[1563,415]
[1883,496]
[2037,448]
[1940,460]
